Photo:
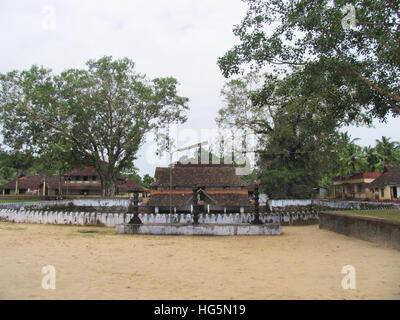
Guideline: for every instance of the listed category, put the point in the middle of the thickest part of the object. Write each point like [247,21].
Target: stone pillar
[195,211]
[256,206]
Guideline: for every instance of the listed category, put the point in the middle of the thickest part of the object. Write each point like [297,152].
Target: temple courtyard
[95,263]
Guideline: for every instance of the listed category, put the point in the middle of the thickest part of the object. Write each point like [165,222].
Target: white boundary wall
[112,219]
[124,204]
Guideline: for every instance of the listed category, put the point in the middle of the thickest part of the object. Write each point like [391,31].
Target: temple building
[205,187]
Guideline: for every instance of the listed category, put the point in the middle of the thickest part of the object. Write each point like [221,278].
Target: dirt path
[303,263]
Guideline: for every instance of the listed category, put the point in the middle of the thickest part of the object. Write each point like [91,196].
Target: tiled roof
[36,181]
[198,176]
[127,184]
[87,171]
[362,175]
[164,199]
[179,198]
[390,176]
[25,182]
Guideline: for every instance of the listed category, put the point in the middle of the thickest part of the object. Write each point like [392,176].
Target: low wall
[112,219]
[200,229]
[118,204]
[282,205]
[367,228]
[331,204]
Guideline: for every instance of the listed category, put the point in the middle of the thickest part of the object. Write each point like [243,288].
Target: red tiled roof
[25,182]
[362,175]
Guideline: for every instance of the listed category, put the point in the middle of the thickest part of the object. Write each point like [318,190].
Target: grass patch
[12,228]
[96,232]
[384,214]
[20,200]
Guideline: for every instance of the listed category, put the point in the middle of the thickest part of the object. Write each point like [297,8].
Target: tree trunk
[16,184]
[44,186]
[108,184]
[109,188]
[16,187]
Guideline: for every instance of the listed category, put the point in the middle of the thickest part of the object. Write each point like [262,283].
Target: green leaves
[355,159]
[103,113]
[286,35]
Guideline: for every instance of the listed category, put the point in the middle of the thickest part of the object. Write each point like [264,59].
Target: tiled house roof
[177,198]
[25,182]
[362,175]
[164,199]
[198,176]
[36,181]
[87,171]
[390,176]
[126,185]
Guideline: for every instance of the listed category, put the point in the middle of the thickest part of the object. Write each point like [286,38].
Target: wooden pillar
[195,211]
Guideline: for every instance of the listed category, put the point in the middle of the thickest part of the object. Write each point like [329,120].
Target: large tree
[297,142]
[15,163]
[353,53]
[103,112]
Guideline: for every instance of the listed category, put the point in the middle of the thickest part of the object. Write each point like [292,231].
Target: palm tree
[373,163]
[352,159]
[388,152]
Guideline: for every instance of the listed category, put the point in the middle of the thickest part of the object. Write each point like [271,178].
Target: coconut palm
[388,151]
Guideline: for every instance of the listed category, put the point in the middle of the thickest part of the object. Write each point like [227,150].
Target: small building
[387,186]
[215,187]
[86,182]
[35,185]
[78,182]
[354,186]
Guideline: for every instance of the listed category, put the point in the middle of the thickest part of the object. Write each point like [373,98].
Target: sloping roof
[198,176]
[362,175]
[127,184]
[165,199]
[390,176]
[231,200]
[52,182]
[180,198]
[25,182]
[87,171]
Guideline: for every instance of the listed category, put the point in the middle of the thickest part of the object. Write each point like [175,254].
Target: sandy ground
[303,263]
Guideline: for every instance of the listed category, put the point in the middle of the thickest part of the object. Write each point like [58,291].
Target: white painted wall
[112,219]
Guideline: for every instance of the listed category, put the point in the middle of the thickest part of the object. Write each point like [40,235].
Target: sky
[179,38]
